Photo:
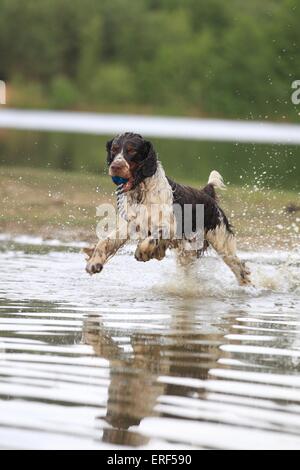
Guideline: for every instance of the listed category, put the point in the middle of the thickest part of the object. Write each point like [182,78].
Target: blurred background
[216,59]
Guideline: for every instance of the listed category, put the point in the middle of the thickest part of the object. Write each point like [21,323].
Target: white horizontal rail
[165,127]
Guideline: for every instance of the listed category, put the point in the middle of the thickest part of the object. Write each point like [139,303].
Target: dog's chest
[153,194]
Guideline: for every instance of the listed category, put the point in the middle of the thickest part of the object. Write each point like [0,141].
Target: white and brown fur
[132,157]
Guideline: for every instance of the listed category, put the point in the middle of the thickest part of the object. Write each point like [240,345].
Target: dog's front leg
[104,250]
[155,245]
[151,248]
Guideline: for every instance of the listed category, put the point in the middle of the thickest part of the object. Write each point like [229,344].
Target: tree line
[192,57]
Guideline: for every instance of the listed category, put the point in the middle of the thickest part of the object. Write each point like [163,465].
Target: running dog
[132,161]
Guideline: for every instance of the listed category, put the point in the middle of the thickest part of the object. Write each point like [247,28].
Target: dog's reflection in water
[135,367]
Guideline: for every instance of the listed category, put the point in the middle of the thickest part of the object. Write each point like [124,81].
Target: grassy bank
[51,203]
[58,204]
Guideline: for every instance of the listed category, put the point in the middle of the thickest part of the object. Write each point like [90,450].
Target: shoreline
[54,204]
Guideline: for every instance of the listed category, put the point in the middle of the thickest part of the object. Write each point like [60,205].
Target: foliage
[231,59]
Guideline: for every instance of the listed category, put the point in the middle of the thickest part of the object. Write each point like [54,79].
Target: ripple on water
[147,355]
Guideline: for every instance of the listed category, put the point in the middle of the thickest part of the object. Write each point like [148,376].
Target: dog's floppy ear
[147,167]
[149,164]
[108,149]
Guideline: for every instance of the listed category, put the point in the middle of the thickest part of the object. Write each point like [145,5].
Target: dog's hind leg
[224,242]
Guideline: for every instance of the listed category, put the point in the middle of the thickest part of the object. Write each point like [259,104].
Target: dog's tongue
[127,186]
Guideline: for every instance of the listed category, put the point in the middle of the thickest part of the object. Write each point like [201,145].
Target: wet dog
[133,161]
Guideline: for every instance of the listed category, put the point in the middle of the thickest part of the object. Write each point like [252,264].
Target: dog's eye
[131,151]
[114,149]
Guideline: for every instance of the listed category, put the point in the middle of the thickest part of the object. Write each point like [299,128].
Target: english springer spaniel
[133,164]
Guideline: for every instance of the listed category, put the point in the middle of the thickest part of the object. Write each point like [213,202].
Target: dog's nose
[115,166]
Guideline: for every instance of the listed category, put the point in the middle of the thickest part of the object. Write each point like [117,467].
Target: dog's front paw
[88,252]
[93,268]
[151,248]
[146,249]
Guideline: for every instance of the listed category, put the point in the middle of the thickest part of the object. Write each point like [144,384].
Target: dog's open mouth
[128,186]
[126,181]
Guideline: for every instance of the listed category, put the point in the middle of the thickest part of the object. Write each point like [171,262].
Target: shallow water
[149,355]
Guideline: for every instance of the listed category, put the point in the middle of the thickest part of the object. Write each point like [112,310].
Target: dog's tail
[215,181]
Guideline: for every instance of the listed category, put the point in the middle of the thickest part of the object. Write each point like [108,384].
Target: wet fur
[152,186]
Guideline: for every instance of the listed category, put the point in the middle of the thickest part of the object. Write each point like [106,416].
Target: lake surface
[267,165]
[147,355]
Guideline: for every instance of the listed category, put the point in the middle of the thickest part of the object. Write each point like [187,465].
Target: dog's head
[131,157]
